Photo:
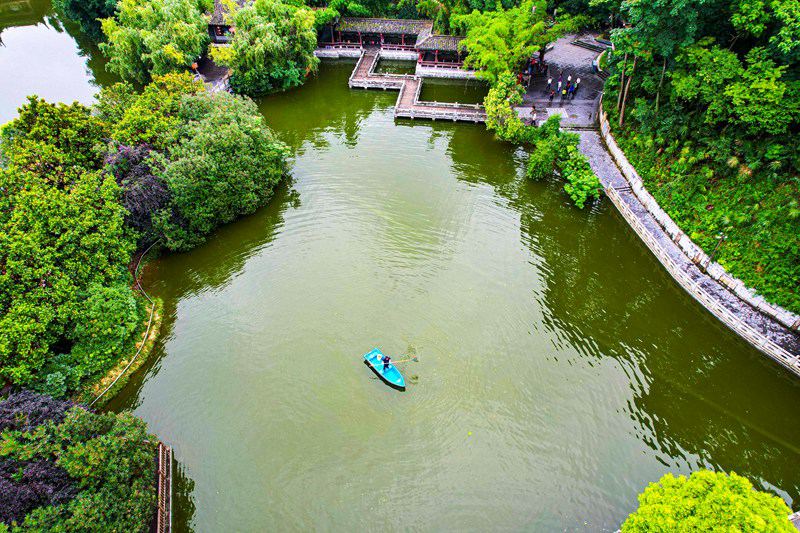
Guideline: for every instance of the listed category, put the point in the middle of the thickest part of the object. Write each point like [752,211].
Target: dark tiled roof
[440,42]
[398,26]
[218,16]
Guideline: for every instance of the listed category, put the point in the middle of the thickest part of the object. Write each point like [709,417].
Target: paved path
[770,336]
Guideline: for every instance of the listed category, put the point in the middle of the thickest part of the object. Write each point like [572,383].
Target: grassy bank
[121,372]
[749,216]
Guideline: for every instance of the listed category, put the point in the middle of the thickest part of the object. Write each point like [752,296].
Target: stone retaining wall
[447,73]
[689,248]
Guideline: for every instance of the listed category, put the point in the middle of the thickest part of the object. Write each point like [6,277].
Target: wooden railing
[164,489]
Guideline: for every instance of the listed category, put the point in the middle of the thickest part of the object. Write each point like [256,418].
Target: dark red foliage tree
[26,485]
[144,193]
[26,410]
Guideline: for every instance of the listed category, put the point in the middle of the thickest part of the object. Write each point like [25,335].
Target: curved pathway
[770,329]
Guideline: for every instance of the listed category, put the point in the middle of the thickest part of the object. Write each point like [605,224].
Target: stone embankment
[769,328]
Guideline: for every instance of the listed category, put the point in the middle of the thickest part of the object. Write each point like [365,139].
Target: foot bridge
[408,103]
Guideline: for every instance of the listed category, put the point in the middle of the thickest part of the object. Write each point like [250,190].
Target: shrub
[76,471]
[707,501]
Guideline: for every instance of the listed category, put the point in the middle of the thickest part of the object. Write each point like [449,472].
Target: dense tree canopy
[179,140]
[707,501]
[64,251]
[705,95]
[272,48]
[83,186]
[500,41]
[153,37]
[63,468]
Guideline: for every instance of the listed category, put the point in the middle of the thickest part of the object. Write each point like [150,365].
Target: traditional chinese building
[218,28]
[415,36]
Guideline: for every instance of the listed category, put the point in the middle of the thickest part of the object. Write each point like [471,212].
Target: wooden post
[436,56]
[360,42]
[403,39]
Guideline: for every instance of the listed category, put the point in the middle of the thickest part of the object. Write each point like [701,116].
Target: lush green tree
[707,501]
[179,182]
[87,13]
[272,48]
[100,464]
[153,37]
[152,117]
[705,95]
[208,186]
[62,238]
[58,245]
[500,41]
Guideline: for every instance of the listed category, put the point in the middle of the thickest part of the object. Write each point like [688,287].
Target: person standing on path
[575,89]
[571,91]
[552,94]
[549,85]
[559,87]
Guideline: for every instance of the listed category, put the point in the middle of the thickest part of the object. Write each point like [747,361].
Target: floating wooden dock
[408,103]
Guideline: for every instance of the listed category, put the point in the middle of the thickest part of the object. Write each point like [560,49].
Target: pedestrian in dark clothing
[571,91]
[385,360]
[552,94]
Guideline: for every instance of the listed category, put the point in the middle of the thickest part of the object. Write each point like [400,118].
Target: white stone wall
[689,248]
[448,73]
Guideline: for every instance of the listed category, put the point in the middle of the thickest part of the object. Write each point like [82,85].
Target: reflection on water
[463,91]
[42,54]
[560,369]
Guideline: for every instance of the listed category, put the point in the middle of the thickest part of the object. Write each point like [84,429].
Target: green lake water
[560,368]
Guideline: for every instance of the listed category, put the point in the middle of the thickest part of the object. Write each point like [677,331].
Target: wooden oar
[415,358]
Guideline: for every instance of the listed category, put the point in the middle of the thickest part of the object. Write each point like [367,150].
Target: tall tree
[153,37]
[272,48]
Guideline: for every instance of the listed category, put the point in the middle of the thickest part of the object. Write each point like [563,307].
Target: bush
[77,471]
[707,501]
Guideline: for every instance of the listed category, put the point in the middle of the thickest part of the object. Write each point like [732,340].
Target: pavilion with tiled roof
[395,34]
[218,27]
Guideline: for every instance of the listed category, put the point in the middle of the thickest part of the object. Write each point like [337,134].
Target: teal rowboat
[390,374]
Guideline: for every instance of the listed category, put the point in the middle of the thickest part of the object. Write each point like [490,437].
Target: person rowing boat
[385,360]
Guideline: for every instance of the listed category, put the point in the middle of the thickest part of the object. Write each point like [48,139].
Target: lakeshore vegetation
[707,501]
[705,101]
[86,187]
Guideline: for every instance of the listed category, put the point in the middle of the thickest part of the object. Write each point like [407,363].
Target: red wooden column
[436,56]
[403,39]
[360,42]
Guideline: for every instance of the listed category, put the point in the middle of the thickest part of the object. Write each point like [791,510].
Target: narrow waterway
[560,369]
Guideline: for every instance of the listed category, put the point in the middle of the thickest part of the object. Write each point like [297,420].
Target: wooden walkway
[408,103]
